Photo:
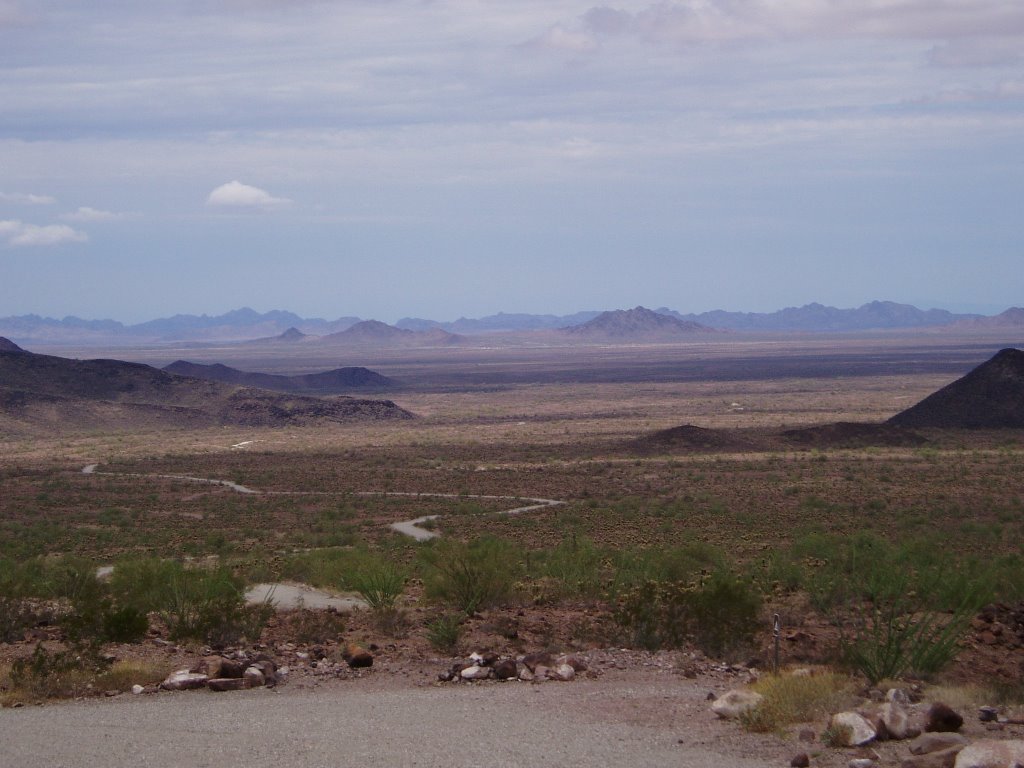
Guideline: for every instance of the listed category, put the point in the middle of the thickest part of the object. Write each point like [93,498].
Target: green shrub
[444,632]
[379,583]
[719,615]
[124,625]
[472,576]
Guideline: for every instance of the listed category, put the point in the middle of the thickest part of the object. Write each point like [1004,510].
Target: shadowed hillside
[328,382]
[45,392]
[989,397]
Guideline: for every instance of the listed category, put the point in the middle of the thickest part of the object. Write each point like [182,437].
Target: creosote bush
[718,614]
[470,577]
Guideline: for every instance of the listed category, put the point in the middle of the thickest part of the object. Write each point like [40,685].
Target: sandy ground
[636,718]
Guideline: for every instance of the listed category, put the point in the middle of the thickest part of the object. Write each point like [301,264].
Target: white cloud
[19,233]
[235,194]
[86,214]
[26,199]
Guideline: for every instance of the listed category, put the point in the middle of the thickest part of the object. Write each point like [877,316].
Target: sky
[446,158]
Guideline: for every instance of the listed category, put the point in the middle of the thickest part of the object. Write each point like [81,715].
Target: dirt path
[636,720]
[408,527]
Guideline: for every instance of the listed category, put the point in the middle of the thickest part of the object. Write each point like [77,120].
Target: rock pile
[533,667]
[221,673]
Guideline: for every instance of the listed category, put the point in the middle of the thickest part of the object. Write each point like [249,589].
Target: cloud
[26,199]
[86,214]
[18,233]
[690,23]
[235,194]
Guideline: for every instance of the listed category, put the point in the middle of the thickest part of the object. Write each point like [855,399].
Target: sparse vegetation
[790,699]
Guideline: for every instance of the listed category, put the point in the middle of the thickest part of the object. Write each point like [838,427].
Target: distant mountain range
[638,323]
[247,325]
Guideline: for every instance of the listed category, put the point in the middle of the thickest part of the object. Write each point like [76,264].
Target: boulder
[943,758]
[800,760]
[942,718]
[577,665]
[850,729]
[936,742]
[506,669]
[184,680]
[221,684]
[895,718]
[732,704]
[356,656]
[254,677]
[563,672]
[534,660]
[475,672]
[526,675]
[992,754]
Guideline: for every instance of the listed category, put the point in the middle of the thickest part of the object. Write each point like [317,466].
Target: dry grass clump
[797,698]
[122,675]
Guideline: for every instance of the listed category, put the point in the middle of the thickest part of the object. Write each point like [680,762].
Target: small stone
[860,762]
[898,696]
[942,718]
[801,760]
[988,714]
[254,676]
[526,675]
[137,689]
[732,704]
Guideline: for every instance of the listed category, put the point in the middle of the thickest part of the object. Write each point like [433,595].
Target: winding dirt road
[407,527]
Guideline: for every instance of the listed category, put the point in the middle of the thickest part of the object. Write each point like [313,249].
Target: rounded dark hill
[636,324]
[292,334]
[989,397]
[336,381]
[6,345]
[692,438]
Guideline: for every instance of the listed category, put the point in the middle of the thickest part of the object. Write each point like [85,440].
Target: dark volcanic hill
[989,397]
[377,334]
[6,345]
[637,324]
[40,392]
[328,382]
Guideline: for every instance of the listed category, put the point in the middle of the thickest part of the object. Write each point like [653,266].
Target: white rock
[564,672]
[476,658]
[992,754]
[255,677]
[896,719]
[854,730]
[475,672]
[183,680]
[731,705]
[137,689]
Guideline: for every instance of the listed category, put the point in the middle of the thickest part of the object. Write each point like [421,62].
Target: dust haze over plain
[456,158]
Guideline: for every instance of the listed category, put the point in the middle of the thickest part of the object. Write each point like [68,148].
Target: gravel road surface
[588,723]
